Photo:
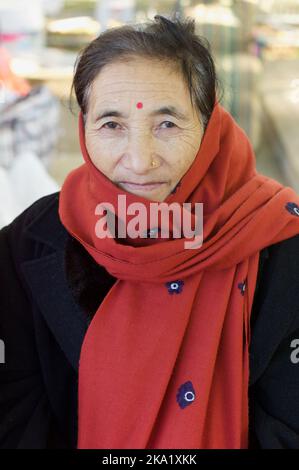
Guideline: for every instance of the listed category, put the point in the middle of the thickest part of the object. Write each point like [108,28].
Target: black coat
[50,288]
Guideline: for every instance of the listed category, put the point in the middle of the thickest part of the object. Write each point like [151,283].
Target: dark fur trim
[88,281]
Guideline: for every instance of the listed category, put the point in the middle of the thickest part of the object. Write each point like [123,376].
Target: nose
[139,154]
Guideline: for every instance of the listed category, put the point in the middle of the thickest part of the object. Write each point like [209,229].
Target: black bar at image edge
[136,458]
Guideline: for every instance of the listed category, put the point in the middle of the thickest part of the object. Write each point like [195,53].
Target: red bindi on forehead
[139,105]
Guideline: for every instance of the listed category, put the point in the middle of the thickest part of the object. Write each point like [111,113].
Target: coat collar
[45,275]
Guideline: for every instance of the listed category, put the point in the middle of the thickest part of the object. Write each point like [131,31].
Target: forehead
[141,78]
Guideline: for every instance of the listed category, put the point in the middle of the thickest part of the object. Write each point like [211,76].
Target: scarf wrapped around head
[165,360]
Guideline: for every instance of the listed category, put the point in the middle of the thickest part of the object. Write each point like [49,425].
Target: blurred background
[255,45]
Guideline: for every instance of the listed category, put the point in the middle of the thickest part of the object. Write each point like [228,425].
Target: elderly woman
[114,340]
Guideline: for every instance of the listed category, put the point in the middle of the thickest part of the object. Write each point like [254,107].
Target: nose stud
[153,163]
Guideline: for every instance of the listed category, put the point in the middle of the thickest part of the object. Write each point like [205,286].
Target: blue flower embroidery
[185,395]
[242,287]
[292,208]
[175,287]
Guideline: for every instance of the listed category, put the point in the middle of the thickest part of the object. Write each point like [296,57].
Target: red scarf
[165,360]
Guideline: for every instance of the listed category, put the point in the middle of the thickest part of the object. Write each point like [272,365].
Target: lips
[142,186]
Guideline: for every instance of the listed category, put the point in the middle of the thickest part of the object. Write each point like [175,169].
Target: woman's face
[139,111]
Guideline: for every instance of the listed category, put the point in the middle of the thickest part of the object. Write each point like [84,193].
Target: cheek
[101,154]
[183,159]
[182,167]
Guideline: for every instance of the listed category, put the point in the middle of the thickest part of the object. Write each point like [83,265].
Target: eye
[109,127]
[169,122]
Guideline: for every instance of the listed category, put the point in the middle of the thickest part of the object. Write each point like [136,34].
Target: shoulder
[15,238]
[17,246]
[274,349]
[278,264]
[275,310]
[16,313]
[31,213]
[286,250]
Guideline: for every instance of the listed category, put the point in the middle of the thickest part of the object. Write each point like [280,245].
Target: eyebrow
[171,110]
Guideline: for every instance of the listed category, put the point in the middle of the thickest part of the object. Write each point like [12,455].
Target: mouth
[141,187]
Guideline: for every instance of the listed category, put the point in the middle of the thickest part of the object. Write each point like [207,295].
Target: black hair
[172,40]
